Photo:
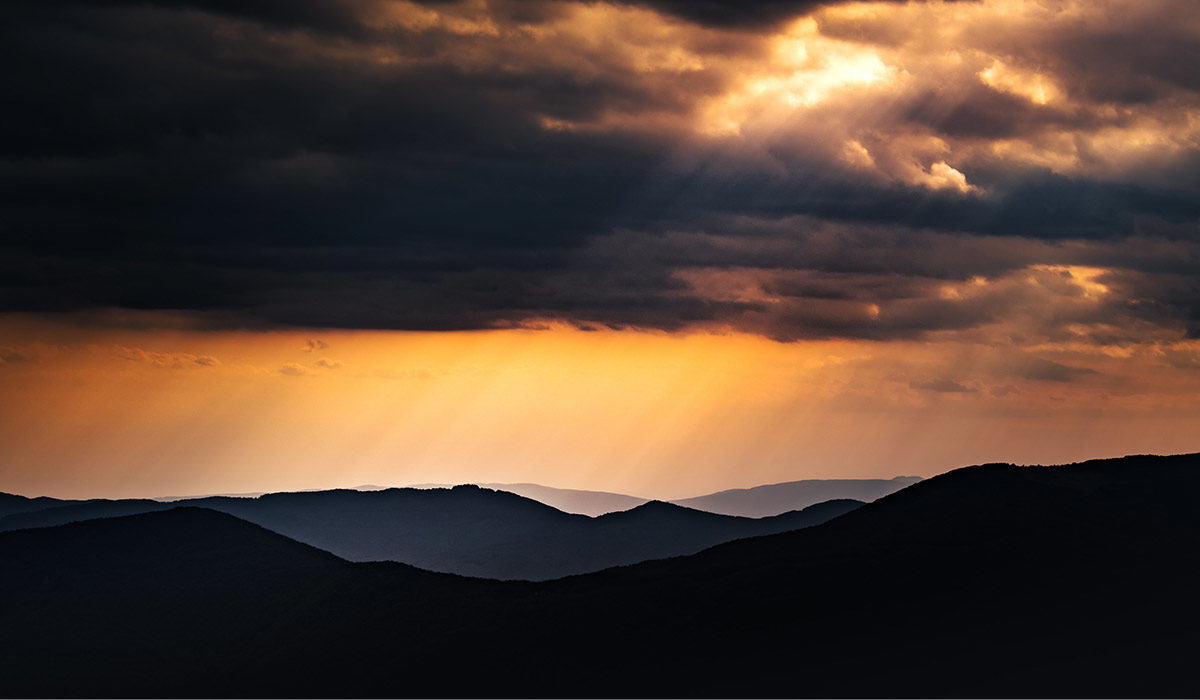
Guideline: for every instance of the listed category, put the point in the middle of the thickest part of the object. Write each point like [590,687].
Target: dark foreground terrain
[993,580]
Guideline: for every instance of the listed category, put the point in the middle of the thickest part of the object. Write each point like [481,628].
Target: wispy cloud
[167,360]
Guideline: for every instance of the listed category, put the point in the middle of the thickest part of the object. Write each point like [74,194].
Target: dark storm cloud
[976,110]
[436,166]
[735,13]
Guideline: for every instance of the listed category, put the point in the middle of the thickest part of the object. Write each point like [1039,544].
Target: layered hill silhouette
[189,602]
[987,581]
[465,530]
[757,502]
[593,503]
[11,504]
[772,499]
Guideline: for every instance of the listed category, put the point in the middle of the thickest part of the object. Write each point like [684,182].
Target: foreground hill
[188,602]
[988,581]
[772,499]
[465,530]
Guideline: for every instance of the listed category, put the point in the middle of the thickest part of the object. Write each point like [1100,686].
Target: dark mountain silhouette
[758,502]
[593,503]
[465,530]
[56,512]
[199,542]
[989,581]
[191,602]
[772,499]
[11,504]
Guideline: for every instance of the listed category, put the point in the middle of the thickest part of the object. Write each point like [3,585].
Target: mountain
[465,530]
[55,512]
[11,504]
[756,502]
[593,503]
[989,581]
[189,602]
[188,536]
[772,499]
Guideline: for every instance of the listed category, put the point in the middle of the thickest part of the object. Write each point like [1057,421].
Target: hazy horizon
[667,497]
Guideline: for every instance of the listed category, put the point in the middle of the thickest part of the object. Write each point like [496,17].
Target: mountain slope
[11,504]
[186,535]
[987,581]
[61,512]
[189,602]
[593,503]
[772,499]
[465,530]
[990,581]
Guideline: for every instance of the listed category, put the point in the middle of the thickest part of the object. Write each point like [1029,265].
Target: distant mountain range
[987,581]
[593,503]
[465,530]
[758,502]
[11,504]
[763,501]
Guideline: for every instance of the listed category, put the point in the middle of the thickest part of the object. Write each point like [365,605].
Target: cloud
[943,386]
[292,369]
[14,356]
[792,169]
[311,345]
[726,13]
[167,360]
[1186,357]
[326,363]
[1047,371]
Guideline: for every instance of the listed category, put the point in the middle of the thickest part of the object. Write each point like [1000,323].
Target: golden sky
[643,246]
[118,412]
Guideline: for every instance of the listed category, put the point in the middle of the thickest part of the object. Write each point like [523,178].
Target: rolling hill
[989,581]
[772,499]
[757,502]
[11,504]
[465,530]
[593,503]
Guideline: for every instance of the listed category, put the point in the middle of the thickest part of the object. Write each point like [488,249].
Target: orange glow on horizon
[115,412]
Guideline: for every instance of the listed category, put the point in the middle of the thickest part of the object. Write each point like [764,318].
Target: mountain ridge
[466,529]
[988,581]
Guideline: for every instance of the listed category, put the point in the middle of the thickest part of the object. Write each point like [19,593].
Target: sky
[646,246]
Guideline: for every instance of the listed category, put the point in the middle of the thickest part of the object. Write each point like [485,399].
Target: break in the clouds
[1027,172]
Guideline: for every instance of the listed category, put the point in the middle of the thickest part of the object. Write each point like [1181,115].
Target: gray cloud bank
[396,165]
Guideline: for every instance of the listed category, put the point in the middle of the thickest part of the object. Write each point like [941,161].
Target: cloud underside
[1024,171]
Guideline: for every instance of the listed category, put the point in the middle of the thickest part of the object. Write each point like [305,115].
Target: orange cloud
[168,360]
